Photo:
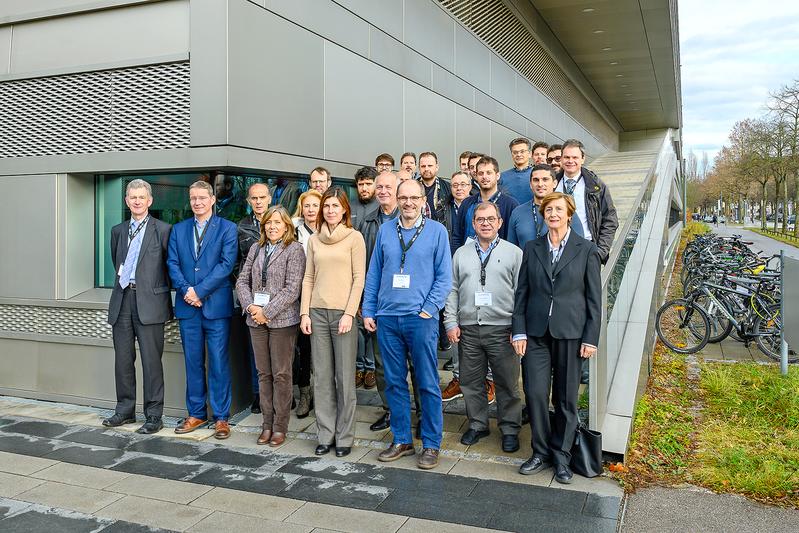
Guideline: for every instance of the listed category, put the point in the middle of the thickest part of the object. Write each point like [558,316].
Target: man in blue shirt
[407,283]
[516,180]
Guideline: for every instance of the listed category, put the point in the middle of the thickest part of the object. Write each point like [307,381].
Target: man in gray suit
[140,305]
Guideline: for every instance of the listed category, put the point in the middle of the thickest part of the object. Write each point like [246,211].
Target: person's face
[410,200]
[428,167]
[464,164]
[386,190]
[572,160]
[222,188]
[487,177]
[138,201]
[473,167]
[275,228]
[541,183]
[259,199]
[384,165]
[201,202]
[539,155]
[408,163]
[366,189]
[403,175]
[461,185]
[333,211]
[319,181]
[310,209]
[520,154]
[553,160]
[486,223]
[556,214]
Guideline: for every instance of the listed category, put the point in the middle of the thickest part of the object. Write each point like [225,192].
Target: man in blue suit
[202,253]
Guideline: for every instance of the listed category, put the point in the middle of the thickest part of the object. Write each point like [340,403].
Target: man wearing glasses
[516,181]
[384,163]
[553,157]
[478,316]
[320,179]
[407,282]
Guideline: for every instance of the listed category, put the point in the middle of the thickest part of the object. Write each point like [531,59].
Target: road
[765,245]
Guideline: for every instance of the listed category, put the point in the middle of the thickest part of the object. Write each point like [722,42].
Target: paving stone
[159,489]
[298,446]
[82,476]
[362,431]
[121,526]
[566,520]
[169,433]
[6,421]
[307,424]
[164,446]
[12,484]
[527,496]
[50,520]
[15,463]
[420,525]
[453,508]
[81,499]
[342,519]
[9,507]
[604,506]
[243,439]
[154,513]
[352,495]
[368,413]
[220,521]
[234,458]
[247,503]
[501,472]
[246,480]
[252,420]
[99,437]
[87,455]
[26,445]
[160,467]
[330,468]
[39,429]
[604,486]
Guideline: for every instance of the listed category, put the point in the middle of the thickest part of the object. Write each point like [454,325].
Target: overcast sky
[733,53]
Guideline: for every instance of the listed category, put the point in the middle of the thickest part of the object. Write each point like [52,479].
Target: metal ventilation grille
[498,27]
[141,108]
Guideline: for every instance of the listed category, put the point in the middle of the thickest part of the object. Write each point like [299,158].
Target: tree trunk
[796,206]
[763,208]
[785,205]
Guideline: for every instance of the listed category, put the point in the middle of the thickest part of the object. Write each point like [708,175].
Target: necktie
[569,186]
[130,262]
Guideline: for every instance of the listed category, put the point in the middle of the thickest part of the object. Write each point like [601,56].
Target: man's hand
[305,324]
[344,324]
[370,324]
[191,298]
[454,334]
[587,351]
[520,347]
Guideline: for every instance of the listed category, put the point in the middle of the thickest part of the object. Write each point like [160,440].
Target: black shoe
[322,449]
[510,443]
[255,408]
[533,465]
[341,451]
[472,436]
[449,365]
[118,420]
[525,416]
[444,344]
[563,474]
[154,424]
[383,423]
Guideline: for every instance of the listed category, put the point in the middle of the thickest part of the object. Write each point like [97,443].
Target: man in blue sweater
[407,283]
[516,180]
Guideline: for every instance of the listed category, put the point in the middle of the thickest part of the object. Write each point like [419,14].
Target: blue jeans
[195,333]
[397,336]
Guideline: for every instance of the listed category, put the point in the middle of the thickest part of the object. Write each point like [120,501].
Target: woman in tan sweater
[331,292]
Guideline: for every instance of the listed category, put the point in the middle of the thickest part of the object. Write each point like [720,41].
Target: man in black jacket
[437,190]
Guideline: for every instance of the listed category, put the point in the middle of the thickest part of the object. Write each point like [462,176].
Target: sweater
[335,269]
[502,273]
[427,262]
[516,183]
[464,229]
[521,227]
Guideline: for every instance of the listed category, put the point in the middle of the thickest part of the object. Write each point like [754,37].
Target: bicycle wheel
[766,331]
[720,325]
[682,326]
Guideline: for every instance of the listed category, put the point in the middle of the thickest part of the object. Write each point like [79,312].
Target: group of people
[504,265]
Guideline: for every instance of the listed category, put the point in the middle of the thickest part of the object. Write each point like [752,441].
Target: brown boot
[306,402]
[428,460]
[358,378]
[369,380]
[265,437]
[395,451]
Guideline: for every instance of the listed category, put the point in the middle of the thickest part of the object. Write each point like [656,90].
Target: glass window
[171,202]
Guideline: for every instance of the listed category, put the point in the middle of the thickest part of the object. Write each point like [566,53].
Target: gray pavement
[662,510]
[766,245]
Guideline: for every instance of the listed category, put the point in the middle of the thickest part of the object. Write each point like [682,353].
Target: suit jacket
[573,288]
[153,301]
[209,273]
[283,283]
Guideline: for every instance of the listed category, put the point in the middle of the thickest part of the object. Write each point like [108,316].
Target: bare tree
[784,105]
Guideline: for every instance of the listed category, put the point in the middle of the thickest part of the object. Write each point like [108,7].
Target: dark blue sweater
[464,228]
[516,183]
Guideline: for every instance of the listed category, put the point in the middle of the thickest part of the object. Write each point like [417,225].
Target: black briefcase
[587,452]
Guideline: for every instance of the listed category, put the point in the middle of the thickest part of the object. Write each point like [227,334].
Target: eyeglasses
[384,165]
[519,152]
[486,220]
[409,198]
[461,185]
[551,159]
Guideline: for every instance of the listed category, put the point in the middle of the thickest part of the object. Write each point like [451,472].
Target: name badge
[402,281]
[261,299]
[482,298]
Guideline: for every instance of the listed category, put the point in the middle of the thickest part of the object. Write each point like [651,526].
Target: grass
[783,240]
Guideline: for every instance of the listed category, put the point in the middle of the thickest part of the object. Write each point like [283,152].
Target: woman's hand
[587,351]
[305,324]
[344,324]
[260,317]
[520,347]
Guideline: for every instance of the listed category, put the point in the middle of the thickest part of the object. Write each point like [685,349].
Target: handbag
[587,452]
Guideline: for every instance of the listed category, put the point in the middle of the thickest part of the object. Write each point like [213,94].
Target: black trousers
[302,361]
[126,331]
[554,363]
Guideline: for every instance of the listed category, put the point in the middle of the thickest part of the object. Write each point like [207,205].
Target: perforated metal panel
[498,27]
[69,322]
[141,108]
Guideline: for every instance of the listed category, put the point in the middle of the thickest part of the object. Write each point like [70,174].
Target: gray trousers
[456,364]
[333,357]
[484,345]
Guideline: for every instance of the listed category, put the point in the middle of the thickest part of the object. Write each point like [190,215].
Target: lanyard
[536,215]
[200,236]
[132,234]
[484,262]
[269,250]
[406,247]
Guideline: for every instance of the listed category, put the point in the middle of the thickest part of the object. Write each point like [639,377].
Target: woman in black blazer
[556,321]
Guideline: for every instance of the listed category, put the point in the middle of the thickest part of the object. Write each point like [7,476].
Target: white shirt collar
[562,243]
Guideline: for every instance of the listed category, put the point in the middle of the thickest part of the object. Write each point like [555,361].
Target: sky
[733,53]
